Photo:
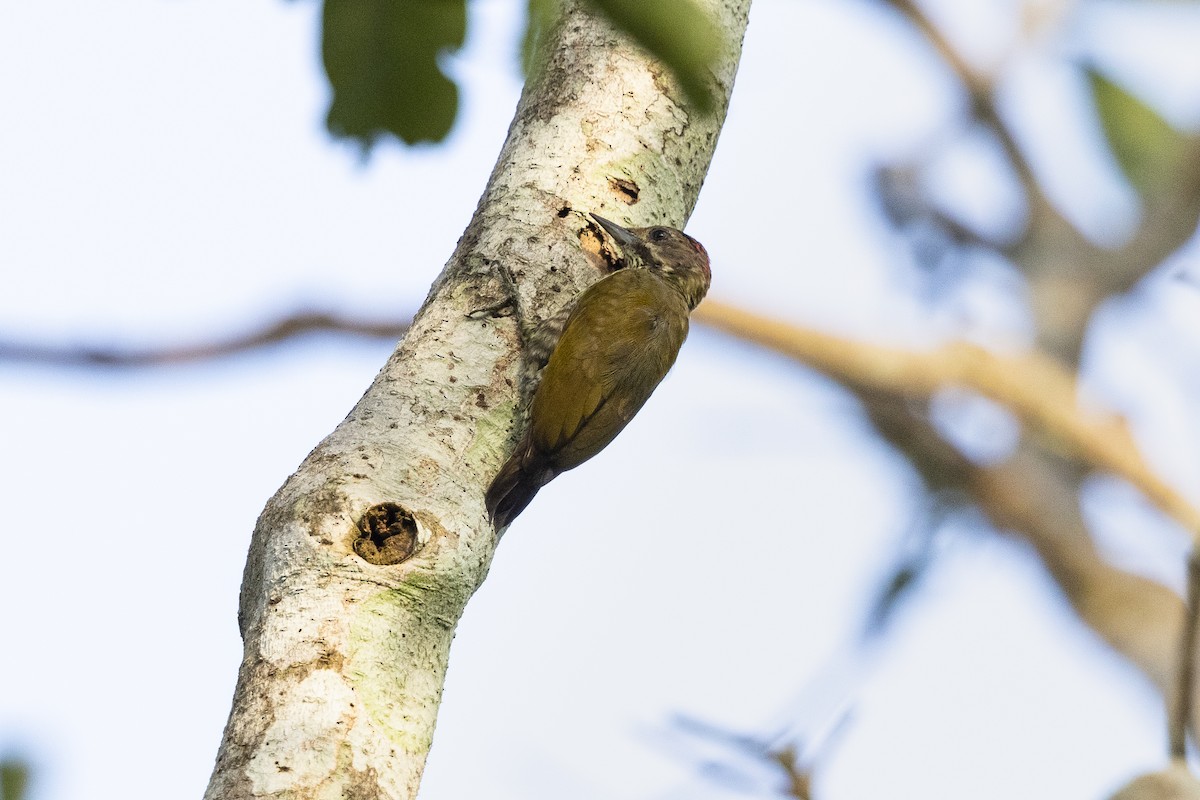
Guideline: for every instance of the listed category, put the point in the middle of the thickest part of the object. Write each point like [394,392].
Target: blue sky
[166,175]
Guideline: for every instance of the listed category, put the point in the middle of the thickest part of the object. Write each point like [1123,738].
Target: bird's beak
[623,236]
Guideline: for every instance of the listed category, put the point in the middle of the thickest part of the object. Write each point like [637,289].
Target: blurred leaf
[14,779]
[381,58]
[538,19]
[1148,150]
[678,33]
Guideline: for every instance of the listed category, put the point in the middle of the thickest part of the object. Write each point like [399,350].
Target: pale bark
[344,660]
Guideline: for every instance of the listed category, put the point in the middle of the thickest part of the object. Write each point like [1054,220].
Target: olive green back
[617,346]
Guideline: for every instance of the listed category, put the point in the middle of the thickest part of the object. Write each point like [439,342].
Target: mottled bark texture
[361,565]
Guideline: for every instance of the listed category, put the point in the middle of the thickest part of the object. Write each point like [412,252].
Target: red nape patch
[699,247]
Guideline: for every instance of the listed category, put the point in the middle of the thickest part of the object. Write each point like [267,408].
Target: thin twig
[1058,259]
[1185,692]
[112,357]
[796,766]
[972,80]
[979,88]
[799,779]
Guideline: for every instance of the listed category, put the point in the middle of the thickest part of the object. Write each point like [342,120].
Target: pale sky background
[165,175]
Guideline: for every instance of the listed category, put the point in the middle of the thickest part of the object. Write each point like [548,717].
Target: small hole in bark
[564,212]
[627,191]
[387,534]
[592,240]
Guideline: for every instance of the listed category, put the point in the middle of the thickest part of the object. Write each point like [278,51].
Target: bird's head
[677,257]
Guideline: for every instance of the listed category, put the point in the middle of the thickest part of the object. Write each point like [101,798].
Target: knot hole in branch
[387,534]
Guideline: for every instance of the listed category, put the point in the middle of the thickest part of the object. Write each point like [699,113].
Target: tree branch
[361,565]
[1185,692]
[1035,388]
[294,325]
[979,88]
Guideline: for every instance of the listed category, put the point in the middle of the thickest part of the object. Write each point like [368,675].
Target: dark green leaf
[678,33]
[381,58]
[540,17]
[1148,150]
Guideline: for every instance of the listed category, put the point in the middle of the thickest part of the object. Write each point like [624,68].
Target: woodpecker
[617,343]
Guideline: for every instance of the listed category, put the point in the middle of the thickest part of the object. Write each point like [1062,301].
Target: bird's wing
[616,347]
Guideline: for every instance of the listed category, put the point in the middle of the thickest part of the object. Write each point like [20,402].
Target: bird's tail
[515,486]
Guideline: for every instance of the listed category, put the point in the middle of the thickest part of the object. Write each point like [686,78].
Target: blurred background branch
[285,329]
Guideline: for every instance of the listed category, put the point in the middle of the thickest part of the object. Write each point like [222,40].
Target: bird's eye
[658,234]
